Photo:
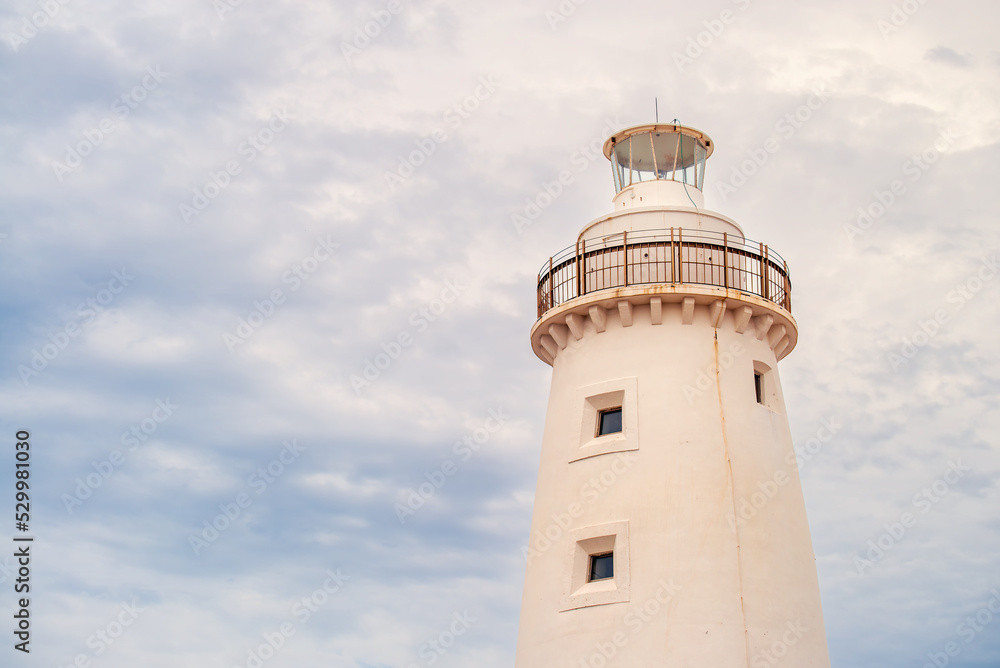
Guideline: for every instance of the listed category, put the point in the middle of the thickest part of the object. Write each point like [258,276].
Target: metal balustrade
[675,256]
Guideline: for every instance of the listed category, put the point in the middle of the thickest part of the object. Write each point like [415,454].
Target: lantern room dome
[658,152]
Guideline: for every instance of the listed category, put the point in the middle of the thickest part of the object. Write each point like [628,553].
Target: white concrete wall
[740,587]
[659,193]
[660,218]
[660,205]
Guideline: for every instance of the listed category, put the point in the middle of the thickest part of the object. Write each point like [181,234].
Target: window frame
[600,421]
[768,394]
[579,591]
[593,564]
[594,399]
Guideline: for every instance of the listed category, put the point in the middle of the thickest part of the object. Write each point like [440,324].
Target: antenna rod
[656,106]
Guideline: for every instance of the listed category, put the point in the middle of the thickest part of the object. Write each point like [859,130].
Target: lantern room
[658,164]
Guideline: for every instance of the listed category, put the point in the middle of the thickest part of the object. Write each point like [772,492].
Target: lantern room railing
[667,256]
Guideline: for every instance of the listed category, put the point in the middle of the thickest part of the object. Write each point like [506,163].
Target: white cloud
[856,300]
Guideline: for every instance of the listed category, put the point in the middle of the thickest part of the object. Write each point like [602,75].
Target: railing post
[578,291]
[541,298]
[766,271]
[680,254]
[673,262]
[583,248]
[552,285]
[725,260]
[788,291]
[763,284]
[767,258]
[625,258]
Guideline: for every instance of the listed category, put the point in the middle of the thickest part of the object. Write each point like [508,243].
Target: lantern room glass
[620,162]
[665,156]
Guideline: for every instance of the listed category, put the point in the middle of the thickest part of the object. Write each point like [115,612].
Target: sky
[270,276]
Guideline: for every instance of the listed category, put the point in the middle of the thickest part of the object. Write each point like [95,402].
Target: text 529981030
[22,543]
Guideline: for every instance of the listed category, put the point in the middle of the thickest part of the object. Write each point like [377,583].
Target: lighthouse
[669,527]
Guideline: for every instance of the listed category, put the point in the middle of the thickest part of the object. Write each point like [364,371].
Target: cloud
[943,54]
[393,253]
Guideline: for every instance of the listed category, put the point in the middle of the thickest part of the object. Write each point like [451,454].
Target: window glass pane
[685,160]
[642,158]
[621,163]
[700,155]
[602,566]
[665,145]
[611,422]
[758,383]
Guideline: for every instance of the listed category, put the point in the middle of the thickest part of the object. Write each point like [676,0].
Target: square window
[597,566]
[767,387]
[602,566]
[610,422]
[608,417]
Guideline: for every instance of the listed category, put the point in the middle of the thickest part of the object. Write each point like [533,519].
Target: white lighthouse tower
[669,527]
